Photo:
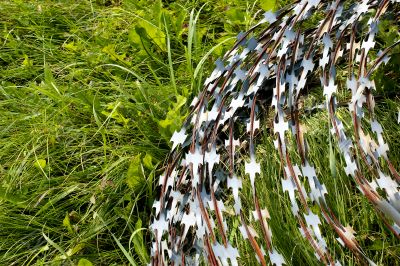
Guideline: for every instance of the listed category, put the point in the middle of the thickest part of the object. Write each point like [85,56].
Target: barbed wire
[274,67]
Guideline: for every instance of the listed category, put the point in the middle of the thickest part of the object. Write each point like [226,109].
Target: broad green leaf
[71,46]
[84,262]
[40,163]
[268,4]
[147,161]
[27,62]
[180,101]
[113,112]
[67,224]
[165,123]
[135,178]
[134,36]
[110,51]
[145,29]
[174,118]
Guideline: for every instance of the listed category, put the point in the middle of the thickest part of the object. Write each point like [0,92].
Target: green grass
[90,93]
